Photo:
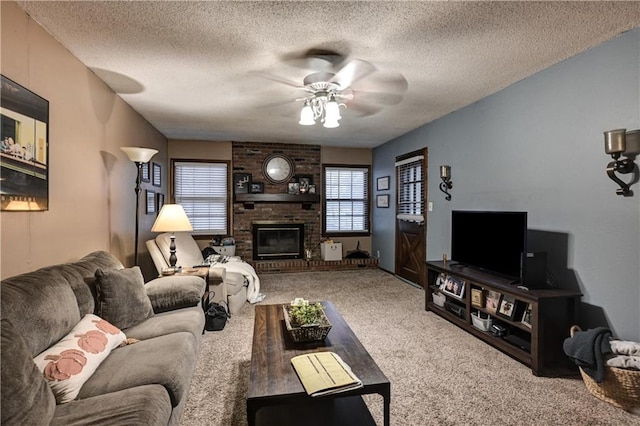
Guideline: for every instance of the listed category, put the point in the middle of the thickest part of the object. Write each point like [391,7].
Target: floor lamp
[172,218]
[138,156]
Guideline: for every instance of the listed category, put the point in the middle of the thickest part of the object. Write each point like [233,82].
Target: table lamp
[172,218]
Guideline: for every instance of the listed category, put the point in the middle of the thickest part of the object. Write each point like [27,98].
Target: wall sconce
[620,142]
[445,175]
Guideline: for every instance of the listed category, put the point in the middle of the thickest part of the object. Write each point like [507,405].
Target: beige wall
[91,181]
[355,156]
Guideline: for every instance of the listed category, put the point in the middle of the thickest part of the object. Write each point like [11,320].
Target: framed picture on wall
[382,201]
[25,148]
[382,183]
[159,202]
[145,175]
[151,202]
[157,175]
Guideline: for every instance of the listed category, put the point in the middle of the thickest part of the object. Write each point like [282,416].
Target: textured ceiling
[198,70]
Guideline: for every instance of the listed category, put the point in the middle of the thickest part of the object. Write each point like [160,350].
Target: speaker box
[534,271]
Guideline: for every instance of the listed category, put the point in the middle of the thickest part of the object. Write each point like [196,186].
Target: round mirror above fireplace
[278,168]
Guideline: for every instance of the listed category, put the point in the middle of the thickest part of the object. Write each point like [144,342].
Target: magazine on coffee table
[324,373]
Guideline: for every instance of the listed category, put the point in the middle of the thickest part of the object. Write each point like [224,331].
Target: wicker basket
[311,333]
[620,387]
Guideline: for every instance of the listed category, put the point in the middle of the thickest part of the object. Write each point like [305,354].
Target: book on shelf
[324,373]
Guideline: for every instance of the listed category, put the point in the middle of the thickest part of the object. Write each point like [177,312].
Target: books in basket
[324,373]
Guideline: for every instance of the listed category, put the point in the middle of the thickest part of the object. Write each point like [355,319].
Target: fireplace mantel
[250,199]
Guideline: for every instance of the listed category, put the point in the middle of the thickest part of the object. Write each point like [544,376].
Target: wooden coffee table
[276,395]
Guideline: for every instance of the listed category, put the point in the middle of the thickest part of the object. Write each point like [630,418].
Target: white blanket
[235,264]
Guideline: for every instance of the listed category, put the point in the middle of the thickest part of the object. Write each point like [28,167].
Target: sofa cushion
[26,397]
[81,277]
[122,299]
[174,292]
[41,305]
[188,252]
[167,360]
[147,405]
[186,319]
[70,362]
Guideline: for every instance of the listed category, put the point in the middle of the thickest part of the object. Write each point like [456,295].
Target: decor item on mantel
[306,322]
[172,218]
[139,156]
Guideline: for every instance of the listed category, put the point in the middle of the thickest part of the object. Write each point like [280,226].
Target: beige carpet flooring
[439,374]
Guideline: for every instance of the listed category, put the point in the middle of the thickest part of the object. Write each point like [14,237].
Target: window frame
[229,206]
[368,184]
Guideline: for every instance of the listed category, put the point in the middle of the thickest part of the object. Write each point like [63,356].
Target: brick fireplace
[248,157]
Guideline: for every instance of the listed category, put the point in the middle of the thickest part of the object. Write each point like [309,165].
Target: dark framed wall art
[144,176]
[382,183]
[157,175]
[24,155]
[159,202]
[241,183]
[151,201]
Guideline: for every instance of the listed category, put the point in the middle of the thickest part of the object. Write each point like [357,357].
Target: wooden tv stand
[537,345]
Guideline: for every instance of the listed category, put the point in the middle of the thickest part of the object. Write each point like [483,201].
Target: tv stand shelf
[536,343]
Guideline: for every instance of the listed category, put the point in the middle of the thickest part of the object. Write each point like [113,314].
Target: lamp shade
[139,155]
[172,218]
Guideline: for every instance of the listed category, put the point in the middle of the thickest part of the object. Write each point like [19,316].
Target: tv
[495,241]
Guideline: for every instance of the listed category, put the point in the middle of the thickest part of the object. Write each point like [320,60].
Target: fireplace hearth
[272,240]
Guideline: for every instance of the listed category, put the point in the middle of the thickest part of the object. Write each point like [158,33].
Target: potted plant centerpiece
[306,322]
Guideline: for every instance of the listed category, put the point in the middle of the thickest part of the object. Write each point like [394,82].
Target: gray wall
[538,146]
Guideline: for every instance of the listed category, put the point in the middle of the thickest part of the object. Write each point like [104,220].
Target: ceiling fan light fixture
[306,115]
[332,110]
[330,124]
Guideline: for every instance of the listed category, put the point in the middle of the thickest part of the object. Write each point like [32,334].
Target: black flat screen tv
[490,240]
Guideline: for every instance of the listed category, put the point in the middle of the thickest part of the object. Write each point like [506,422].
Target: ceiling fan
[357,85]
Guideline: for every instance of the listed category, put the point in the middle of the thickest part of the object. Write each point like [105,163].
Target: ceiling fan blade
[383,82]
[352,72]
[380,98]
[276,78]
[362,110]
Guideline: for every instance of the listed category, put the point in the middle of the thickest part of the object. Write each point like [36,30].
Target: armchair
[225,285]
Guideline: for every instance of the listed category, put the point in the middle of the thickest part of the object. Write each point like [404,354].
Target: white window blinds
[201,189]
[410,178]
[346,199]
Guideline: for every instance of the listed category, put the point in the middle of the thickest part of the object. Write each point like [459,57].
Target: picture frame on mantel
[241,183]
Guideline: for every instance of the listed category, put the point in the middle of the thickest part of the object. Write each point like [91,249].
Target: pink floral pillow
[68,364]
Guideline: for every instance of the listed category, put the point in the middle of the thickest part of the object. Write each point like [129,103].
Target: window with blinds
[410,178]
[201,189]
[346,194]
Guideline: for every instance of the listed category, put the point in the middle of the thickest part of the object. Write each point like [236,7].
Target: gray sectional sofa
[141,339]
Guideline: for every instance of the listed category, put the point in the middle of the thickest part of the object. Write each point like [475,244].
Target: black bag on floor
[216,317]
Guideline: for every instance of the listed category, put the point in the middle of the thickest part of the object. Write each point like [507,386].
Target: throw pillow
[122,299]
[68,364]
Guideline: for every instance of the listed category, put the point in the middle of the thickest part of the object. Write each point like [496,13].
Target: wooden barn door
[411,196]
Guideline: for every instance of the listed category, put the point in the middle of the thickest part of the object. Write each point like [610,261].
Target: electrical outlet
[378,254]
